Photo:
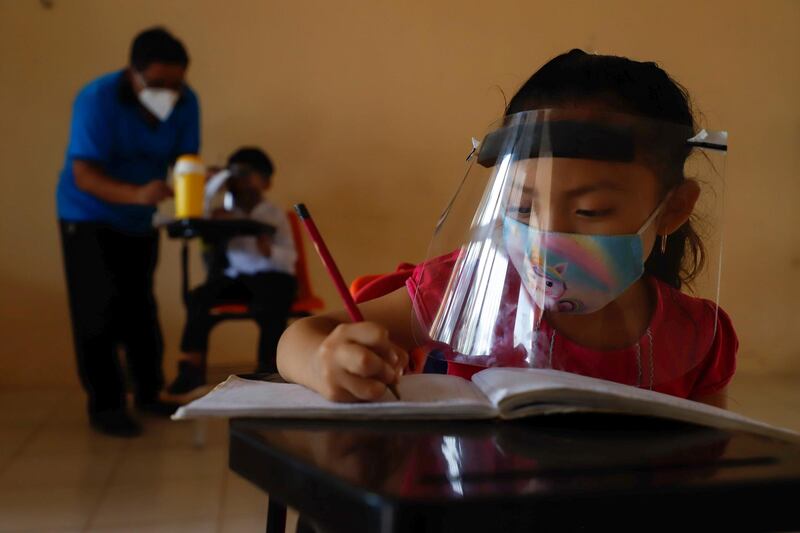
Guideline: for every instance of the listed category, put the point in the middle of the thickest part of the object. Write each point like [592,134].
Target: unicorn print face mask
[571,272]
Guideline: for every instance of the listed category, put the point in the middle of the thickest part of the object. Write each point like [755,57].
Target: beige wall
[367,108]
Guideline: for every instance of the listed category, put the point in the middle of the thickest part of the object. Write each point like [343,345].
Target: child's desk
[212,231]
[567,472]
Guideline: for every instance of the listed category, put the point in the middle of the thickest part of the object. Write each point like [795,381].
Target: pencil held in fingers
[400,361]
[366,351]
[393,389]
[373,335]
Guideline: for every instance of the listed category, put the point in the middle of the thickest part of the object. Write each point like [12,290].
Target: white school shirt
[243,254]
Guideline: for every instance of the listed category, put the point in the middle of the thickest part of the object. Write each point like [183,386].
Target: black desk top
[572,471]
[212,230]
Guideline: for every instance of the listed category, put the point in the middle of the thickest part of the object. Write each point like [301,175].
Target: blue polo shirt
[109,128]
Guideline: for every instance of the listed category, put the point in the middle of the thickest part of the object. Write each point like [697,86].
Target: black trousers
[269,295]
[110,285]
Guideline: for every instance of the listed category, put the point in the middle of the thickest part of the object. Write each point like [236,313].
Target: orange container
[190,182]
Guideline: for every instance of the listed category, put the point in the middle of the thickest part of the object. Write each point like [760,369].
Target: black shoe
[189,378]
[157,408]
[117,423]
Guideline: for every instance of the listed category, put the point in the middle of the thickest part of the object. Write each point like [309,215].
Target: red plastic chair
[305,300]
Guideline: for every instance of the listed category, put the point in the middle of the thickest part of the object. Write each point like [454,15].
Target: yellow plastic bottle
[190,180]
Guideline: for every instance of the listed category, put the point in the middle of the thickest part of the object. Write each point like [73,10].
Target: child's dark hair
[633,87]
[254,158]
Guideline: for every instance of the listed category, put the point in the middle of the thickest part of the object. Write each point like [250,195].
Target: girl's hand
[356,362]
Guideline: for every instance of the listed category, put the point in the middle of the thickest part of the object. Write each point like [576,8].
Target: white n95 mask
[159,101]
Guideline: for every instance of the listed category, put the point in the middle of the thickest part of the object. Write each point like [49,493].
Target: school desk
[566,472]
[213,232]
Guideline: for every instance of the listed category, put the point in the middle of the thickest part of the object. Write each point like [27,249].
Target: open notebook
[492,393]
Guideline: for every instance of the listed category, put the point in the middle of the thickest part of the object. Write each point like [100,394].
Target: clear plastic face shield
[218,193]
[549,253]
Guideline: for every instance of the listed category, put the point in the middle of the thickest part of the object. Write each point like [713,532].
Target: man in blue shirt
[127,128]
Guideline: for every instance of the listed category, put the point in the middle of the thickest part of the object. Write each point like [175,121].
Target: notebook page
[500,385]
[523,392]
[423,396]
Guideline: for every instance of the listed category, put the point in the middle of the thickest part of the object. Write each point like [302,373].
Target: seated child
[611,195]
[259,272]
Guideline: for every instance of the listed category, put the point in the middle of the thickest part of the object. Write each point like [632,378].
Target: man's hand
[92,179]
[152,193]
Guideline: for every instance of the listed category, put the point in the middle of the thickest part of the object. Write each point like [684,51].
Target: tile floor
[57,475]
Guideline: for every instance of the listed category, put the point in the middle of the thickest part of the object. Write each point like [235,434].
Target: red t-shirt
[690,356]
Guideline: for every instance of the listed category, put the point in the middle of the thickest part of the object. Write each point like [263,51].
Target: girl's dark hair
[633,87]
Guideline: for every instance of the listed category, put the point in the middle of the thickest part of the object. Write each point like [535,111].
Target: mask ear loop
[657,211]
[654,214]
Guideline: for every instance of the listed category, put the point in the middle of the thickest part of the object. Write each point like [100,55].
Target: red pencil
[333,270]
